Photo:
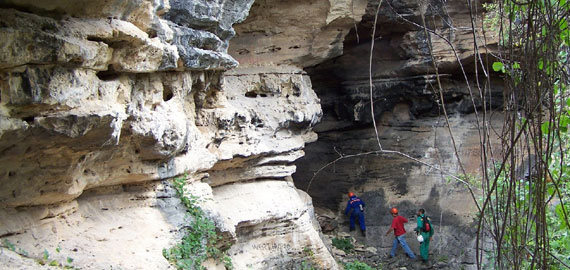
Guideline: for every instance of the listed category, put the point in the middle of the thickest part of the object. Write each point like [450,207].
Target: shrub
[343,244]
[307,266]
[199,242]
[357,265]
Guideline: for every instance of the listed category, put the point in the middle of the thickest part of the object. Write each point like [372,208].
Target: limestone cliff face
[102,101]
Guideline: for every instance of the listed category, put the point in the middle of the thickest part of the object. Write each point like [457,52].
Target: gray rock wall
[410,119]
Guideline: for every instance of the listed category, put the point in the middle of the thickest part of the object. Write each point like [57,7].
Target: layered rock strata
[103,101]
[410,119]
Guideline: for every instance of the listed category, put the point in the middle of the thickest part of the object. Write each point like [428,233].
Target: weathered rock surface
[298,32]
[102,101]
[106,228]
[408,113]
[262,229]
[387,180]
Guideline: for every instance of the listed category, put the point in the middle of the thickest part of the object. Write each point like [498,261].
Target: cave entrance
[410,120]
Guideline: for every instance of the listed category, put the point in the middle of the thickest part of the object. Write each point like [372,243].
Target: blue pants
[360,217]
[402,240]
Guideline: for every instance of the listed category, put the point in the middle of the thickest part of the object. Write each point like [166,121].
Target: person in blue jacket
[355,207]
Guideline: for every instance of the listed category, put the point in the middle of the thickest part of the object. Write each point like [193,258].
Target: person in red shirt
[399,233]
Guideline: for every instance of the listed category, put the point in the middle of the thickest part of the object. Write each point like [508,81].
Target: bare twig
[370,75]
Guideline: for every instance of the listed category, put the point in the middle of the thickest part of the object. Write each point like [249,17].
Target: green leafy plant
[498,66]
[10,246]
[343,244]
[491,19]
[556,214]
[308,252]
[45,256]
[200,240]
[46,260]
[7,244]
[307,266]
[23,252]
[357,265]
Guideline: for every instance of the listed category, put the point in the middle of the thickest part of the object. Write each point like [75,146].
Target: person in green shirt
[426,232]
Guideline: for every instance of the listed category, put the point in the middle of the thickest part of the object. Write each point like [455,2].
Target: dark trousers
[360,216]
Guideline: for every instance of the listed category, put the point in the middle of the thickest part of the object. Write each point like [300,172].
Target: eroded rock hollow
[103,102]
[408,101]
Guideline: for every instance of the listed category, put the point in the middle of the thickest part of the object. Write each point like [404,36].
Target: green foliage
[531,215]
[357,265]
[9,245]
[491,19]
[559,186]
[307,266]
[45,256]
[557,226]
[343,244]
[201,239]
[227,261]
[559,235]
[558,183]
[22,252]
[308,252]
[46,260]
[498,66]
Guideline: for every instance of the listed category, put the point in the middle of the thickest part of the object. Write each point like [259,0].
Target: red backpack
[426,224]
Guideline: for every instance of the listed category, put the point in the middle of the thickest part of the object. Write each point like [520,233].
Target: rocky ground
[376,253]
[380,259]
